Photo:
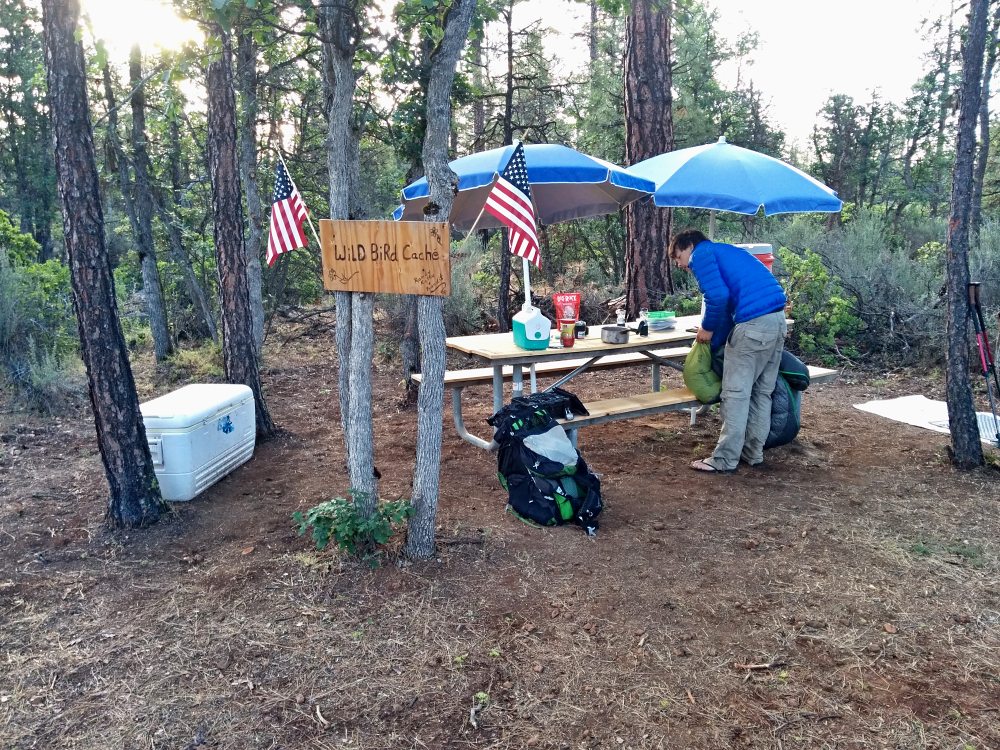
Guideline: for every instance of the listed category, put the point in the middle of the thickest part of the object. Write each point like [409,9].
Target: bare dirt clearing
[845,595]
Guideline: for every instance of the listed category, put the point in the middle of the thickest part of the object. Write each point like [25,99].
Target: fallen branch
[768,665]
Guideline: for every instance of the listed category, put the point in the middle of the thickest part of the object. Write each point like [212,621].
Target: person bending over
[745,312]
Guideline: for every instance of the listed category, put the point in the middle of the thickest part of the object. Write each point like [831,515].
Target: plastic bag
[699,376]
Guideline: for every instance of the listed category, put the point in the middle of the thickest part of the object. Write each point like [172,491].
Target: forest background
[867,286]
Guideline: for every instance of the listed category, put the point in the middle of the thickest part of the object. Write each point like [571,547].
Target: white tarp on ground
[921,411]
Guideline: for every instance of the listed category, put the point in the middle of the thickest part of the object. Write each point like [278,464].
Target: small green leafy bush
[823,314]
[338,520]
[38,334]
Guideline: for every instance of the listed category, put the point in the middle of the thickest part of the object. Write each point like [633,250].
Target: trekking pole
[985,353]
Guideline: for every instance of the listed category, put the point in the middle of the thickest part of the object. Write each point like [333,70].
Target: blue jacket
[737,287]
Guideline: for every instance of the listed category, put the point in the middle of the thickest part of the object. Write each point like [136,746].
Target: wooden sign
[395,257]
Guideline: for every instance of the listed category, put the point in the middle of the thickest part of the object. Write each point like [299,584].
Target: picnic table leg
[497,388]
[518,381]
[572,436]
[456,411]
[656,377]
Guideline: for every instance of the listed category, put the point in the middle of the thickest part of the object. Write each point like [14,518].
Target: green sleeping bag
[699,376]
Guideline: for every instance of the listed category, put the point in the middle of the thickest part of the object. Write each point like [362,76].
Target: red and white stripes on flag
[510,202]
[288,212]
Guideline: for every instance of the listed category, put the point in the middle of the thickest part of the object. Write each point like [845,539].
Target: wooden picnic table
[505,361]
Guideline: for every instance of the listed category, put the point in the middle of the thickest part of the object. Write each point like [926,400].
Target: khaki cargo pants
[753,353]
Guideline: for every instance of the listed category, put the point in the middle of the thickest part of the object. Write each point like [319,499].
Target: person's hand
[703,336]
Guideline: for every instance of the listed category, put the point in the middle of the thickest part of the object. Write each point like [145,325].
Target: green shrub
[198,364]
[38,335]
[822,314]
[19,249]
[338,520]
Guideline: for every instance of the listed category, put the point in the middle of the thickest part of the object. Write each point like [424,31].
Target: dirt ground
[846,595]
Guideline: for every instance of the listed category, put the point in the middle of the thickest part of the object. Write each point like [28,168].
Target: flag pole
[296,189]
[527,283]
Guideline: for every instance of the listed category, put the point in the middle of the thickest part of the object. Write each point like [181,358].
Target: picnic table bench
[567,363]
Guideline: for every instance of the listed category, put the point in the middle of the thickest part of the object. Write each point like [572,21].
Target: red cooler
[763,252]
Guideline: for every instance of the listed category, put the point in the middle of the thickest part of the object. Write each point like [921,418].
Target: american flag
[510,202]
[287,214]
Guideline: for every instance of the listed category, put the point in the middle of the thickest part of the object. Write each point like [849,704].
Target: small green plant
[920,547]
[970,553]
[482,698]
[338,520]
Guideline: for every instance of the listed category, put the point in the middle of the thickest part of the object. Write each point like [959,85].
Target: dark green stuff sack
[699,376]
[786,414]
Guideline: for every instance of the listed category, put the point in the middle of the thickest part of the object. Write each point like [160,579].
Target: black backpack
[547,481]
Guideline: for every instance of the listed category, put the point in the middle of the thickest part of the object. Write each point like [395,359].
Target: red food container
[567,332]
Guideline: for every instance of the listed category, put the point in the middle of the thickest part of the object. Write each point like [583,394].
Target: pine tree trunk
[944,109]
[134,493]
[337,19]
[360,427]
[979,178]
[442,183]
[409,346]
[152,288]
[503,295]
[967,451]
[649,131]
[246,74]
[238,352]
[479,103]
[195,290]
[141,224]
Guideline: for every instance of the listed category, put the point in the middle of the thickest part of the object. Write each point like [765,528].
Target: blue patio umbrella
[565,184]
[723,177]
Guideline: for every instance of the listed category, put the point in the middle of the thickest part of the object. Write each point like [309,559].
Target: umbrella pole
[527,305]
[711,225]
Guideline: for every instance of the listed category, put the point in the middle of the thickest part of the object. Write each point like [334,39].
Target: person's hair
[683,240]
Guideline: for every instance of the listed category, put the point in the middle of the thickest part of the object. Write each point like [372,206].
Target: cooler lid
[191,404]
[757,248]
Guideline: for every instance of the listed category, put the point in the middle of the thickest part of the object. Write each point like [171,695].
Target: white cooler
[198,434]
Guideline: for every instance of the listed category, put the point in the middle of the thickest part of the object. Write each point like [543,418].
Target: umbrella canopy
[724,177]
[565,184]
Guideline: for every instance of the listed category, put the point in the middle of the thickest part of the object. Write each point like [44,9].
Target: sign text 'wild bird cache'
[394,257]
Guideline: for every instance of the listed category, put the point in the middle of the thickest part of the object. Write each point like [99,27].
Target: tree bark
[140,221]
[134,498]
[409,347]
[649,131]
[195,290]
[478,103]
[442,183]
[238,353]
[246,76]
[967,451]
[162,345]
[979,178]
[338,24]
[503,290]
[360,426]
[944,107]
